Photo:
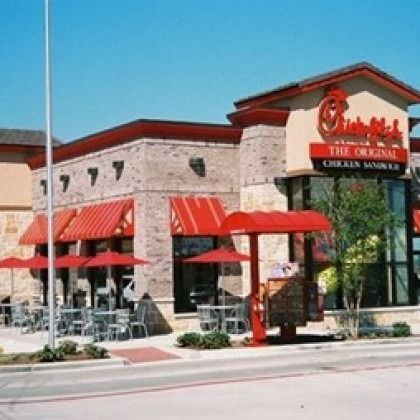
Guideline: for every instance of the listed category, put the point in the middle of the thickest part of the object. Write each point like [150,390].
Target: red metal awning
[416,222]
[37,231]
[101,221]
[275,222]
[196,216]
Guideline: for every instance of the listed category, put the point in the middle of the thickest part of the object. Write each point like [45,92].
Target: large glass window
[388,280]
[193,283]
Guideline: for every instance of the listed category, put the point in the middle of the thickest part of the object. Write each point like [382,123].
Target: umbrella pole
[222,285]
[108,281]
[12,291]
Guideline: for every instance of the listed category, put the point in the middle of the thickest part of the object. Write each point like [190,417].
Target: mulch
[144,354]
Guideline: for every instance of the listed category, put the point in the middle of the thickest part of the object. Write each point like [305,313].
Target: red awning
[101,221]
[416,222]
[196,216]
[275,222]
[37,232]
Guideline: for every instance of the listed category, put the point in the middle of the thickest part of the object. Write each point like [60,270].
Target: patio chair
[21,318]
[121,325]
[139,320]
[237,317]
[208,318]
[78,321]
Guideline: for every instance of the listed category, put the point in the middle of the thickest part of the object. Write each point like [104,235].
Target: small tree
[360,216]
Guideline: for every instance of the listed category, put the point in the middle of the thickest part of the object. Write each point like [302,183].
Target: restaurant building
[160,190]
[16,146]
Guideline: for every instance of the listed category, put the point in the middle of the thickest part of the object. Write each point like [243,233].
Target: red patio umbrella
[38,262]
[70,261]
[11,263]
[111,258]
[222,256]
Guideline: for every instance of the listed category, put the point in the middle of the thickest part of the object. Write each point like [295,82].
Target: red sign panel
[358,152]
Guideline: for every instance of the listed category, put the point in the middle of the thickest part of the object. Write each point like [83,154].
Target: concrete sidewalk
[162,348]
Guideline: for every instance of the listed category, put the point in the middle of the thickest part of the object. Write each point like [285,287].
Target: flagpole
[51,282]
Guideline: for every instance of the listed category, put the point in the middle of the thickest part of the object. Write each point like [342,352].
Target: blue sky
[115,61]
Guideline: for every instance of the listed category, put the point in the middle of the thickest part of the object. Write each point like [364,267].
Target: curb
[85,364]
[198,356]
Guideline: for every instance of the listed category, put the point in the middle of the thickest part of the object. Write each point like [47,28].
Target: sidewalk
[162,348]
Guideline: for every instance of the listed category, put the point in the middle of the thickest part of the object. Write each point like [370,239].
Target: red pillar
[258,329]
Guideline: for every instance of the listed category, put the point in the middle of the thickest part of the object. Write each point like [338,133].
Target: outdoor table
[68,315]
[221,311]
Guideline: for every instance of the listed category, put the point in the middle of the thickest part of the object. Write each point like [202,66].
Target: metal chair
[121,325]
[21,318]
[208,318]
[237,317]
[139,320]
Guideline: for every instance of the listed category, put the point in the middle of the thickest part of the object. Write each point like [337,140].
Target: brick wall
[154,170]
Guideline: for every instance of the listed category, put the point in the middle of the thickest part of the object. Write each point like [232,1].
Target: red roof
[363,69]
[37,231]
[275,222]
[196,216]
[141,129]
[101,221]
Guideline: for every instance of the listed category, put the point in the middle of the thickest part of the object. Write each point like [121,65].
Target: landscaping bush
[95,352]
[401,329]
[48,354]
[68,347]
[214,340]
[189,339]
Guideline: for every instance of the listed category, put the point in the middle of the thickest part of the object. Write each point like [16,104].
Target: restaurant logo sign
[354,144]
[333,122]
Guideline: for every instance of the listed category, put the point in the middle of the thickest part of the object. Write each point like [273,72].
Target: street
[341,382]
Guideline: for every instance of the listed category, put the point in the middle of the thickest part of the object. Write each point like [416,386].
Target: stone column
[263,158]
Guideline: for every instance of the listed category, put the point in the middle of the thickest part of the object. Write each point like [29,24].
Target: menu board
[286,301]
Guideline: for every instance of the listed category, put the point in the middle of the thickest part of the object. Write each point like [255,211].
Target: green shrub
[95,352]
[214,340]
[189,339]
[401,329]
[68,347]
[48,354]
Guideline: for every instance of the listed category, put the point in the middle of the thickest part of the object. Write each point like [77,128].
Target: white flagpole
[51,280]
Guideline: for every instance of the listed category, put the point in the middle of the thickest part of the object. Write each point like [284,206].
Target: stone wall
[154,170]
[12,225]
[375,316]
[263,158]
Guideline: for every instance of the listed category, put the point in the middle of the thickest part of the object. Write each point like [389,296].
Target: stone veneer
[12,224]
[262,158]
[154,170]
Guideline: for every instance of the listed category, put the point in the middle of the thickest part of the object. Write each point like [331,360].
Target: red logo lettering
[332,122]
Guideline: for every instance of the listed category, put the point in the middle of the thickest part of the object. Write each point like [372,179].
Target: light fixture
[43,184]
[118,165]
[93,172]
[65,179]
[198,166]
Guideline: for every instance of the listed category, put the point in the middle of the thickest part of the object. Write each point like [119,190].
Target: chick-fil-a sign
[332,122]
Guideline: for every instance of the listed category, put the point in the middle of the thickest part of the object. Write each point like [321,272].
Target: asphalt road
[340,382]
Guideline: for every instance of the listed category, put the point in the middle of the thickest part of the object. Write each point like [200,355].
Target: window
[193,283]
[388,280]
